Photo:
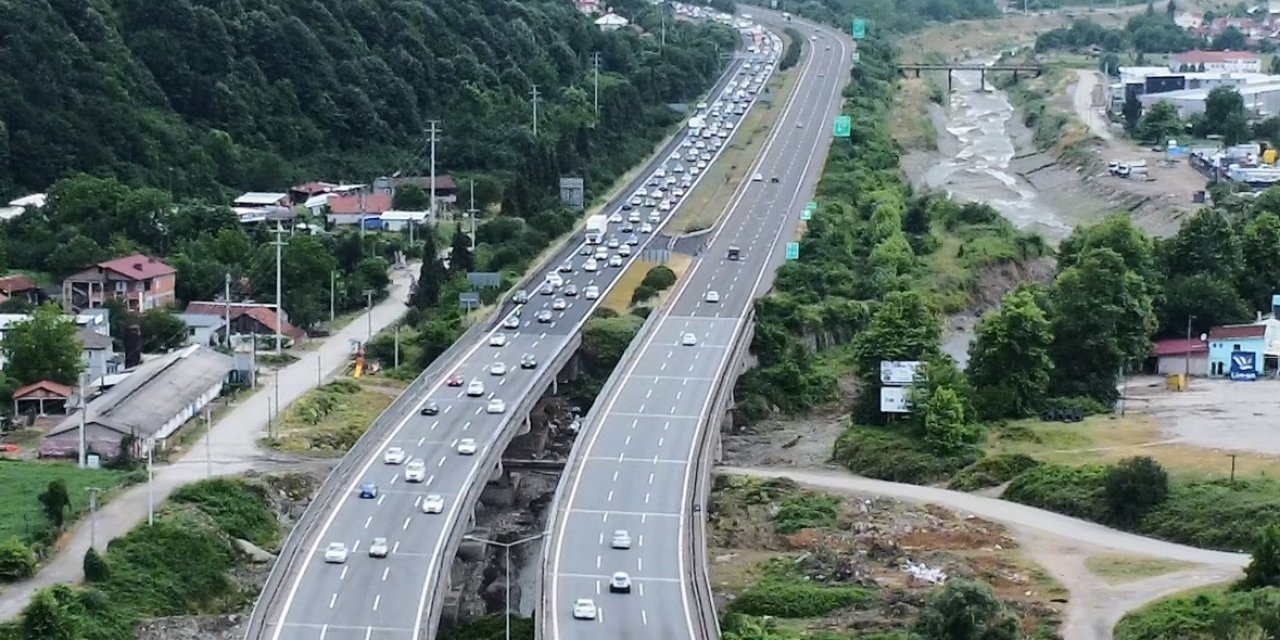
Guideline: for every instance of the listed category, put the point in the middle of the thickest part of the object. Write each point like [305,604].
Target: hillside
[204,97]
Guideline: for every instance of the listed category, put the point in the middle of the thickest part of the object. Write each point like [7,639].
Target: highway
[634,469]
[395,598]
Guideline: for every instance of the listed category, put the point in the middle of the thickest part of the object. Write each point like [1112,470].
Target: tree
[17,561]
[902,328]
[1211,300]
[1133,487]
[43,348]
[1258,251]
[1204,244]
[1102,319]
[1009,362]
[946,429]
[1236,129]
[411,197]
[1264,566]
[431,277]
[45,618]
[965,610]
[95,567]
[161,330]
[1132,112]
[54,501]
[1159,123]
[1221,104]
[305,265]
[461,260]
[1231,39]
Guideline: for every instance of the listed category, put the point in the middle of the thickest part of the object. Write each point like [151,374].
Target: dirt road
[1087,105]
[1059,543]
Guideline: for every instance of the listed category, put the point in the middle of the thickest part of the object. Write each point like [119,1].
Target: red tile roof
[373,203]
[443,182]
[1178,347]
[138,267]
[314,188]
[13,284]
[45,385]
[263,314]
[1233,331]
[1196,57]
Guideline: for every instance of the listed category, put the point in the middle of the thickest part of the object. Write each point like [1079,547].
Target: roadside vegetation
[185,563]
[328,420]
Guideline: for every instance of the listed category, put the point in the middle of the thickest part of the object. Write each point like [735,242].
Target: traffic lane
[306,631]
[649,496]
[346,594]
[590,534]
[624,616]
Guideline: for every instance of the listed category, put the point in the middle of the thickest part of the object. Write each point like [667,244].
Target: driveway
[232,446]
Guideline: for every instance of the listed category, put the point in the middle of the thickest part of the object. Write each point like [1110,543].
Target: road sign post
[806,215]
[843,126]
[793,250]
[859,29]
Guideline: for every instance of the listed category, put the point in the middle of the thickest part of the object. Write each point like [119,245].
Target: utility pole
[279,308]
[84,417]
[433,130]
[208,449]
[275,381]
[333,279]
[226,301]
[595,65]
[535,110]
[1186,360]
[397,346]
[319,371]
[471,213]
[151,485]
[93,515]
[506,546]
[368,294]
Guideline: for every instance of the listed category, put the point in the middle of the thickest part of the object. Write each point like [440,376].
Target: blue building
[1237,350]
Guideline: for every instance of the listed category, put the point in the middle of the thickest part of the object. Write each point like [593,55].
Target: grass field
[329,419]
[20,511]
[1119,569]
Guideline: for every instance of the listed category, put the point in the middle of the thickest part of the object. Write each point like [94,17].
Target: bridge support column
[526,426]
[1015,75]
[555,387]
[948,81]
[983,86]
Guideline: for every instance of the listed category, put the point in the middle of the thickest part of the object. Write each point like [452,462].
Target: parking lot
[1213,413]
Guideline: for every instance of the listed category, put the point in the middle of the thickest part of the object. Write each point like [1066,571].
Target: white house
[19,206]
[611,22]
[400,220]
[1226,61]
[262,199]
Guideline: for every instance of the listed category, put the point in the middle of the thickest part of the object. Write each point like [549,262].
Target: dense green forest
[203,97]
[897,16]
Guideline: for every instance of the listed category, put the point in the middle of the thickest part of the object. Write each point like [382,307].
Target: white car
[415,471]
[555,280]
[615,261]
[394,455]
[646,228]
[590,265]
[335,553]
[713,296]
[476,388]
[689,340]
[640,193]
[592,292]
[601,253]
[378,548]
[433,503]
[498,369]
[584,609]
[757,177]
[497,406]
[665,205]
[620,583]
[702,164]
[498,340]
[624,250]
[621,539]
[613,242]
[467,446]
[616,217]
[559,304]
[634,217]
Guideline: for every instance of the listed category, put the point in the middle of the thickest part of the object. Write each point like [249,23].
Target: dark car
[527,361]
[368,490]
[627,228]
[430,408]
[454,381]
[773,179]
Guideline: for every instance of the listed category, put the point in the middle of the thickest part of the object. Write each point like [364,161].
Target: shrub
[1201,615]
[1215,514]
[95,567]
[790,598]
[1073,491]
[239,508]
[806,510]
[1087,406]
[966,610]
[992,471]
[1134,487]
[659,278]
[17,560]
[1264,568]
[885,454]
[642,293]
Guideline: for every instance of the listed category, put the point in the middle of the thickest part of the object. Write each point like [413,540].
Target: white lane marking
[430,479]
[367,522]
[381,497]
[333,600]
[609,498]
[377,600]
[385,572]
[442,459]
[650,478]
[406,523]
[343,575]
[324,629]
[421,440]
[644,616]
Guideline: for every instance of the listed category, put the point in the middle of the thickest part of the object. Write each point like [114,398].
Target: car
[584,609]
[433,503]
[368,491]
[615,261]
[555,280]
[646,228]
[773,179]
[592,292]
[335,553]
[590,265]
[620,582]
[566,267]
[813,38]
[822,74]
[520,297]
[430,408]
[394,455]
[527,361]
[559,304]
[640,193]
[415,471]
[665,206]
[601,254]
[511,322]
[624,250]
[621,539]
[757,177]
[634,217]
[467,446]
[627,228]
[678,193]
[584,250]
[702,164]
[498,339]
[675,155]
[616,217]
[632,240]
[712,296]
[543,316]
[454,381]
[613,242]
[378,548]
[476,388]
[498,369]
[546,289]
[694,171]
[496,406]
[734,253]
[689,340]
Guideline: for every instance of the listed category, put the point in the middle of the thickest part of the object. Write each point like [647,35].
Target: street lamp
[507,548]
[1186,360]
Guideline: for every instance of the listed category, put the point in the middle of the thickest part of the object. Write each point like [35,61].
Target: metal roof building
[151,404]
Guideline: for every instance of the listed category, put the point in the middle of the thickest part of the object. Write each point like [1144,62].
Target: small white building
[19,206]
[611,22]
[262,199]
[1261,100]
[401,220]
[1223,61]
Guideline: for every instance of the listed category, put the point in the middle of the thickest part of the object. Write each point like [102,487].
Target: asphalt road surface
[367,598]
[635,471]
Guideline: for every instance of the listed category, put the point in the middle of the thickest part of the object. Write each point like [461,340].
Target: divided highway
[634,468]
[312,595]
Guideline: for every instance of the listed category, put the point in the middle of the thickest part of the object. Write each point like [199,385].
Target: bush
[17,560]
[1133,487]
[1264,568]
[1215,514]
[966,610]
[885,454]
[806,510]
[790,598]
[96,568]
[239,508]
[642,293]
[1085,405]
[659,278]
[992,471]
[1073,491]
[1200,616]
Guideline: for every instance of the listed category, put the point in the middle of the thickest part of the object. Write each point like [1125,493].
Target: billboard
[895,400]
[572,191]
[1244,366]
[899,372]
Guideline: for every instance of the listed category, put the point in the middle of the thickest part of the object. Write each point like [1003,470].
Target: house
[142,282]
[445,188]
[1228,61]
[301,193]
[1177,356]
[21,205]
[1241,350]
[401,220]
[588,7]
[20,287]
[246,318]
[98,355]
[42,396]
[259,199]
[203,329]
[355,208]
[611,22]
[150,405]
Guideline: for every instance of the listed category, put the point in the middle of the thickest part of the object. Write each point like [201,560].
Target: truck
[597,227]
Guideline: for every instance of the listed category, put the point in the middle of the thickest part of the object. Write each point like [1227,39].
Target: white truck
[597,227]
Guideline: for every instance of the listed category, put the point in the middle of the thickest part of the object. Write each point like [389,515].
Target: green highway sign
[807,214]
[812,206]
[843,126]
[793,250]
[859,29]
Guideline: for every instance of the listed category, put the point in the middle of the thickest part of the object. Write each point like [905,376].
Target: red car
[454,381]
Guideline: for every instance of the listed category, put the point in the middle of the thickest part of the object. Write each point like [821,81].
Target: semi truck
[597,227]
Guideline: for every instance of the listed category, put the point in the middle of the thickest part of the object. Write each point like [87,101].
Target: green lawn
[20,511]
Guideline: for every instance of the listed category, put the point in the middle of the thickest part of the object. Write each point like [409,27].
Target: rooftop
[138,267]
[35,201]
[356,203]
[90,339]
[1196,57]
[1236,331]
[1179,347]
[48,386]
[260,198]
[11,284]
[264,314]
[444,182]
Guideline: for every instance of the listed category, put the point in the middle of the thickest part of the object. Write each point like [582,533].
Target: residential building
[1225,61]
[1177,355]
[611,22]
[262,199]
[1261,99]
[445,187]
[151,404]
[358,207]
[1242,347]
[402,220]
[21,287]
[20,206]
[589,7]
[203,329]
[300,193]
[142,282]
[99,354]
[246,318]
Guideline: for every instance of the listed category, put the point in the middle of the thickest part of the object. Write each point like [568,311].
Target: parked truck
[597,227]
